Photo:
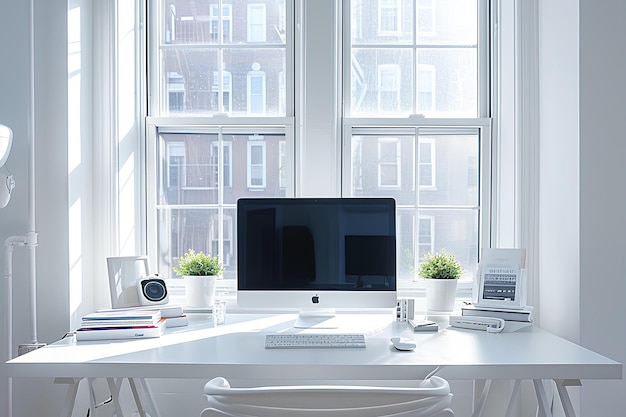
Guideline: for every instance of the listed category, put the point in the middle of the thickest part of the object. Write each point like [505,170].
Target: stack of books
[172,313]
[524,314]
[121,324]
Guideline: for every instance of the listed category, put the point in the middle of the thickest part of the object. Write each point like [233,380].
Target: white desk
[236,351]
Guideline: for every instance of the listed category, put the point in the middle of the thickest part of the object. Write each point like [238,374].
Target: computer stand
[317,319]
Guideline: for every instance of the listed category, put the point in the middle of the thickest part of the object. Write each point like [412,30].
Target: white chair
[430,398]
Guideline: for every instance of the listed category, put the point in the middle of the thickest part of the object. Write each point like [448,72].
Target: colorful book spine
[115,333]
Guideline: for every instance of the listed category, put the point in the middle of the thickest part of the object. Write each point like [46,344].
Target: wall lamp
[6,179]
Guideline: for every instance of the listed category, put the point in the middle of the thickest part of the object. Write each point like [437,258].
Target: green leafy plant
[198,264]
[441,265]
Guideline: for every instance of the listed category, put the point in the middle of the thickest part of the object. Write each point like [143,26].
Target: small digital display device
[316,254]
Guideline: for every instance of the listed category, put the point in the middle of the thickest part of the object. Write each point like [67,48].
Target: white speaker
[151,290]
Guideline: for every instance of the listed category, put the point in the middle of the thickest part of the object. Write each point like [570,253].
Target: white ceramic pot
[440,294]
[200,290]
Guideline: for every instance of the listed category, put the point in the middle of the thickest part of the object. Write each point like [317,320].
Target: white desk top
[236,350]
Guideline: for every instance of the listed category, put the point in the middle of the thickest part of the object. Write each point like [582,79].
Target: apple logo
[315,299]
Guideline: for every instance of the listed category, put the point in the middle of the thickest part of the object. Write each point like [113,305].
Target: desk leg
[114,389]
[70,397]
[514,394]
[478,408]
[143,401]
[561,387]
[543,405]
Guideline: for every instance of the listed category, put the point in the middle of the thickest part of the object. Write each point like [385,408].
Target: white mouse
[403,343]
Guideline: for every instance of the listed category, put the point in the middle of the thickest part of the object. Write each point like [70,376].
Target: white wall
[51,181]
[559,141]
[603,195]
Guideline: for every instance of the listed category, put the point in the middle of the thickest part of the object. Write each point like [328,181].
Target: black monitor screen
[316,244]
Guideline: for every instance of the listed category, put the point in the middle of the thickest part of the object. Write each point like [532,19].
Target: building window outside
[388,162]
[425,240]
[256,22]
[256,90]
[389,17]
[426,19]
[426,88]
[225,18]
[223,101]
[388,88]
[426,163]
[256,163]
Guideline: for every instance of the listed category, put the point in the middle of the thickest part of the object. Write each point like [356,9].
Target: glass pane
[451,84]
[447,22]
[189,169]
[191,81]
[195,22]
[198,229]
[452,178]
[381,22]
[201,40]
[382,81]
[456,231]
[271,169]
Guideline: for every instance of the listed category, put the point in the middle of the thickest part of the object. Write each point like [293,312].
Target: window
[256,23]
[227,119]
[220,120]
[225,17]
[388,88]
[426,17]
[414,126]
[256,90]
[388,16]
[388,162]
[426,163]
[256,163]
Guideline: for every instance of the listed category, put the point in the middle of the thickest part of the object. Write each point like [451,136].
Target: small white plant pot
[200,290]
[440,294]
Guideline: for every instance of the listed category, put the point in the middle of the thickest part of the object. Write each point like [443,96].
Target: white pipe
[8,302]
[31,236]
[8,290]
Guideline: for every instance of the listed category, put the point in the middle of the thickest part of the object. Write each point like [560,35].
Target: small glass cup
[219,312]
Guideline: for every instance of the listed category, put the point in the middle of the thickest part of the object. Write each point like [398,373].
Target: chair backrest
[429,398]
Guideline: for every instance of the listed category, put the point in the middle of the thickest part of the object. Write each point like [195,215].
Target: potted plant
[441,271]
[200,272]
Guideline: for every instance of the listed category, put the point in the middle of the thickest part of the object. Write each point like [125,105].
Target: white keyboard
[314,340]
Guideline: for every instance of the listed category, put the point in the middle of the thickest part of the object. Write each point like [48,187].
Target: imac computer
[316,255]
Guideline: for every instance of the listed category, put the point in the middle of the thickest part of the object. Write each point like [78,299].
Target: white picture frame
[124,272]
